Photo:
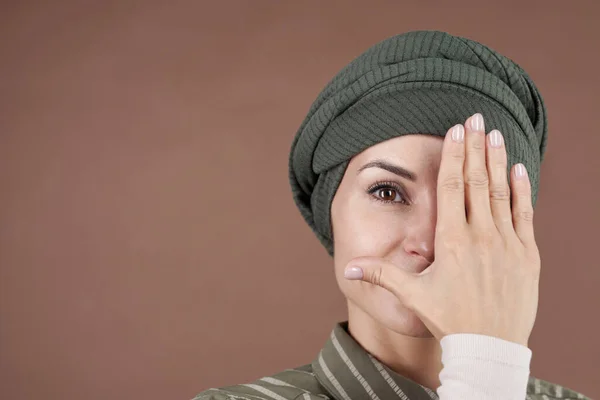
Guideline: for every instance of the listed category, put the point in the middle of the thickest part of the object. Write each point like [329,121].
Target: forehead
[414,150]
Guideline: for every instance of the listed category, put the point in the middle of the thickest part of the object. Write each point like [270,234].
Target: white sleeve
[481,367]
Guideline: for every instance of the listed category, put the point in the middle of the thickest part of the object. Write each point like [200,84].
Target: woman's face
[376,212]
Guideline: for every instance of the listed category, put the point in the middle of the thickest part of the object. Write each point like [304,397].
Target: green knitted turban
[419,82]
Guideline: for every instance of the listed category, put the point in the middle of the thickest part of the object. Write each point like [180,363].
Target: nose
[422,248]
[420,237]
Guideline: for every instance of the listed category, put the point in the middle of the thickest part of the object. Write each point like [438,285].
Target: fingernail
[520,171]
[495,138]
[477,122]
[353,273]
[458,133]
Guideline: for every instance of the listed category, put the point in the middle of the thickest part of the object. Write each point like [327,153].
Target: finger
[522,209]
[450,184]
[499,189]
[380,272]
[477,195]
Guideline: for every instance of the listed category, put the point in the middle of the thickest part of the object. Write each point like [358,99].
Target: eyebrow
[395,169]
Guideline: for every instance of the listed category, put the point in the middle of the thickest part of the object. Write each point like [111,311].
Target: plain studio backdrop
[149,244]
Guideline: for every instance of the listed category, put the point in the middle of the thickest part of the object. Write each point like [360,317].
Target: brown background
[150,247]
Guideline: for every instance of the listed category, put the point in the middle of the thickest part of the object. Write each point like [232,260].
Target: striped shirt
[344,370]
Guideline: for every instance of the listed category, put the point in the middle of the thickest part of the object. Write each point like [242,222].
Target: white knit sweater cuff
[481,367]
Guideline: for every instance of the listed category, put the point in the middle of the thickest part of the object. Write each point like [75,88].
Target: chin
[392,314]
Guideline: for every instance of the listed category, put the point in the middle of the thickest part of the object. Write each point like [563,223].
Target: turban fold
[418,82]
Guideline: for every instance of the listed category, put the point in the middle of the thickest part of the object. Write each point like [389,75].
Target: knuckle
[500,163]
[499,193]
[453,184]
[477,145]
[457,156]
[525,215]
[377,276]
[478,179]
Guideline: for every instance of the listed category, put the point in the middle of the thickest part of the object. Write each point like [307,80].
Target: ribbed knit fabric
[481,367]
[419,82]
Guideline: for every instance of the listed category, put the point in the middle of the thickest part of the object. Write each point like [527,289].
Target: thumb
[380,272]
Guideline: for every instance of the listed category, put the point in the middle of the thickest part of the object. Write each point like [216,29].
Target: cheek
[367,230]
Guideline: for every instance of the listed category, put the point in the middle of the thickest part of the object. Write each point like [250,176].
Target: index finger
[450,184]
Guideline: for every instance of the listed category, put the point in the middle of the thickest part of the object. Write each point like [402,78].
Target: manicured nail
[477,122]
[520,171]
[353,273]
[458,133]
[495,138]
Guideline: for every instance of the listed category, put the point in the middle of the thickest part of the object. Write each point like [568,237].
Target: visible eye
[387,192]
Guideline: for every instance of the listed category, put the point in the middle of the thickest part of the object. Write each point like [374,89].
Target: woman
[431,222]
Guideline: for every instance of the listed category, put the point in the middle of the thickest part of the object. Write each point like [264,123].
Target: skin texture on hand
[485,275]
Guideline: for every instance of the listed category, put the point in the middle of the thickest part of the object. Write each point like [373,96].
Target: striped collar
[349,372]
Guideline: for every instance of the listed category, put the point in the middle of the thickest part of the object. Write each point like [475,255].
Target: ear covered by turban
[419,82]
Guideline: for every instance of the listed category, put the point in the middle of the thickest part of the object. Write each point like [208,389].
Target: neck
[416,358]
